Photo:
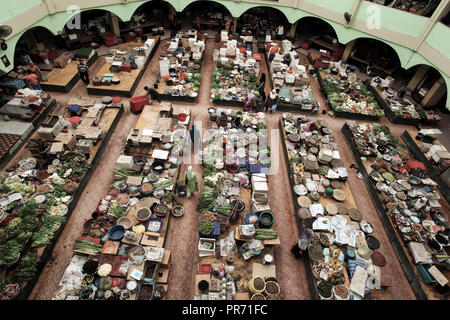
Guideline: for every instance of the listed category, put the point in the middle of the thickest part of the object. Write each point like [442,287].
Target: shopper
[280,32]
[83,70]
[154,95]
[228,25]
[33,80]
[272,101]
[303,243]
[261,104]
[262,81]
[248,105]
[262,93]
[402,92]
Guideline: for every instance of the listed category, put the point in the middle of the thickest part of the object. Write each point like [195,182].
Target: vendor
[83,70]
[154,95]
[33,80]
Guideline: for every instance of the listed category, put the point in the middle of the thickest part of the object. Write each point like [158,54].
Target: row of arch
[334,29]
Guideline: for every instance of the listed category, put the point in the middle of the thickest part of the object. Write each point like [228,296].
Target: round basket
[258,296]
[273,297]
[256,285]
[272,288]
[143,214]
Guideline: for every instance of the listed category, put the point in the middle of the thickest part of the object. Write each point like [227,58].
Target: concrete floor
[182,235]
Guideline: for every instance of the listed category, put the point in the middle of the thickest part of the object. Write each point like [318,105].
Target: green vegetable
[164,184]
[205,227]
[208,198]
[27,267]
[87,247]
[44,236]
[10,253]
[116,211]
[266,234]
[225,210]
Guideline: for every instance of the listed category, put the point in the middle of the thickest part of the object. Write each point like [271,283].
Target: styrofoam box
[124,162]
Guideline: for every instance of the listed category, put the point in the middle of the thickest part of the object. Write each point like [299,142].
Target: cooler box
[110,40]
[138,103]
[125,67]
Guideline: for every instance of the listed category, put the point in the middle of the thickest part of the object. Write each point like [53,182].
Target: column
[435,94]
[348,50]
[293,29]
[417,78]
[114,24]
[235,20]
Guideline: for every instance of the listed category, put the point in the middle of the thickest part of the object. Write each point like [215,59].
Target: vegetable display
[87,247]
[205,227]
[266,234]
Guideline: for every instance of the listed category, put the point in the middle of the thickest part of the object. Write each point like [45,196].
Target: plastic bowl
[117,232]
[125,222]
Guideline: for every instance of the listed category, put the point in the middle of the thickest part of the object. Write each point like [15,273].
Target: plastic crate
[138,103]
[423,271]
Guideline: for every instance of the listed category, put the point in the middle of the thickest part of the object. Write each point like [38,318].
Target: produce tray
[116,266]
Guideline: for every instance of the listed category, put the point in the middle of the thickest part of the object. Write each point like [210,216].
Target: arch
[318,24]
[198,2]
[382,49]
[134,7]
[83,14]
[430,78]
[43,31]
[278,12]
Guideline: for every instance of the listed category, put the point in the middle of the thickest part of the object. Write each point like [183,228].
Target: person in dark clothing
[402,92]
[262,93]
[83,71]
[262,81]
[303,244]
[272,101]
[154,95]
[261,103]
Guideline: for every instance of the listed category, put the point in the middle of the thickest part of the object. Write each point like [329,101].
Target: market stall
[180,65]
[426,147]
[64,75]
[20,118]
[397,110]
[290,78]
[341,262]
[236,72]
[235,224]
[39,192]
[120,253]
[407,203]
[347,96]
[123,68]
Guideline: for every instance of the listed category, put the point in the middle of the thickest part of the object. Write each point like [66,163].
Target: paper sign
[358,284]
[324,274]
[136,274]
[438,275]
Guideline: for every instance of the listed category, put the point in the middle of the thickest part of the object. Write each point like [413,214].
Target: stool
[97,81]
[74,121]
[116,101]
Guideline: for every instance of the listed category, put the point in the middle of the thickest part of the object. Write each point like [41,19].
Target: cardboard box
[67,139]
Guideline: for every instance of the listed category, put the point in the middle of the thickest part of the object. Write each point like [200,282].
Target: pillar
[348,50]
[293,29]
[235,20]
[417,78]
[114,21]
[435,94]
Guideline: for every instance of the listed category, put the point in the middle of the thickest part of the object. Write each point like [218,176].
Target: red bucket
[182,117]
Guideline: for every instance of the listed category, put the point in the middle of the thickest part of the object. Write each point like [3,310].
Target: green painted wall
[9,9]
[392,19]
[439,39]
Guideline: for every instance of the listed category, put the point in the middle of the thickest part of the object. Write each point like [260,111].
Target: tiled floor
[182,236]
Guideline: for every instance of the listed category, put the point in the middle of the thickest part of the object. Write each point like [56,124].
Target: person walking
[261,104]
[272,101]
[303,243]
[83,71]
[262,82]
[154,95]
[33,80]
[249,102]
